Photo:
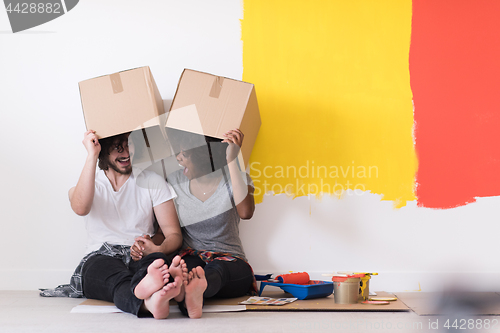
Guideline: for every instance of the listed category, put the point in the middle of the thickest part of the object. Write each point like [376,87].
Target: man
[120,209]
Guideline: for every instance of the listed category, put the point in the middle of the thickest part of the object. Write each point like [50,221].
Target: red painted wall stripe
[455,79]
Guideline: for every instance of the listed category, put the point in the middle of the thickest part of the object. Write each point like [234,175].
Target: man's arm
[82,195]
[169,224]
[158,238]
[166,215]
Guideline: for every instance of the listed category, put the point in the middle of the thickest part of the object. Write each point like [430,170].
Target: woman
[213,194]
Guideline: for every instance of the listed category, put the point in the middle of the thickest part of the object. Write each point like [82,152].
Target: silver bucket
[346,292]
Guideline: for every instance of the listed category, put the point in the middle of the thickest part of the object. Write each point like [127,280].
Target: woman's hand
[136,251]
[142,247]
[235,139]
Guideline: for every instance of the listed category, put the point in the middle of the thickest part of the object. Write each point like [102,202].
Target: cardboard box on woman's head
[212,105]
[127,101]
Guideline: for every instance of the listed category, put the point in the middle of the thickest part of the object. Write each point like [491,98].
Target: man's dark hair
[106,145]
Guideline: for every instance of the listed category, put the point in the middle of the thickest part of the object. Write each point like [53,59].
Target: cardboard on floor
[316,304]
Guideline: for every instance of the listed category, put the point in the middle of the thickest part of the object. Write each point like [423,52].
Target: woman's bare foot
[156,278]
[195,288]
[179,268]
[159,303]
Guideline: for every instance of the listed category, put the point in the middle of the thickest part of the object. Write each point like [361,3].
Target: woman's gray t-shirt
[212,225]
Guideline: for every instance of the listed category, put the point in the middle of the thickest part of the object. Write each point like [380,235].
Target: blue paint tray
[314,289]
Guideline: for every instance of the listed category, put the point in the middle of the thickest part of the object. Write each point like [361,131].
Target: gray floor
[25,311]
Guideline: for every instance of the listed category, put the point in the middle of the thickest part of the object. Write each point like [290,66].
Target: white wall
[42,156]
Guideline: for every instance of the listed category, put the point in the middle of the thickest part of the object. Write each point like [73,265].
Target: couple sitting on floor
[130,263]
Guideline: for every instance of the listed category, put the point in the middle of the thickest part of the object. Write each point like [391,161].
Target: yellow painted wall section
[333,85]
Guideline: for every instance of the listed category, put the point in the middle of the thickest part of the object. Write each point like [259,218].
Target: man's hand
[82,195]
[91,143]
[142,247]
[235,139]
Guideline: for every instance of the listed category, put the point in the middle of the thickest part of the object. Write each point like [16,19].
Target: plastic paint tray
[314,289]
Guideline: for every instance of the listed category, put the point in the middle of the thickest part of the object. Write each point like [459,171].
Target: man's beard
[126,171]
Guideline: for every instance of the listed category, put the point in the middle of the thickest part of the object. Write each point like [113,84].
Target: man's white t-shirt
[119,217]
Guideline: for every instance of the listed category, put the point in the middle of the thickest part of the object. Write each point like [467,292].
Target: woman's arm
[242,193]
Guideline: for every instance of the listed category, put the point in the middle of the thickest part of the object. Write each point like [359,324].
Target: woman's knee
[236,277]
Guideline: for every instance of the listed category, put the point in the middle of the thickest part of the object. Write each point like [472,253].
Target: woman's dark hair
[106,145]
[207,153]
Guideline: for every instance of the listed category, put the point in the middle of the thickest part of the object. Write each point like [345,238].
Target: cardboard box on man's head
[212,105]
[124,102]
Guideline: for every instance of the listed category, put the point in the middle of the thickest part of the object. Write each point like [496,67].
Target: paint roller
[294,278]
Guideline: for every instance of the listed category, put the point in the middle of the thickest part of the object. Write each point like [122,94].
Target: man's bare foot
[158,303]
[195,288]
[156,278]
[179,268]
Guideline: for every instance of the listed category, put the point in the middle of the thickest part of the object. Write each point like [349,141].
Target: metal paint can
[346,289]
[364,286]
